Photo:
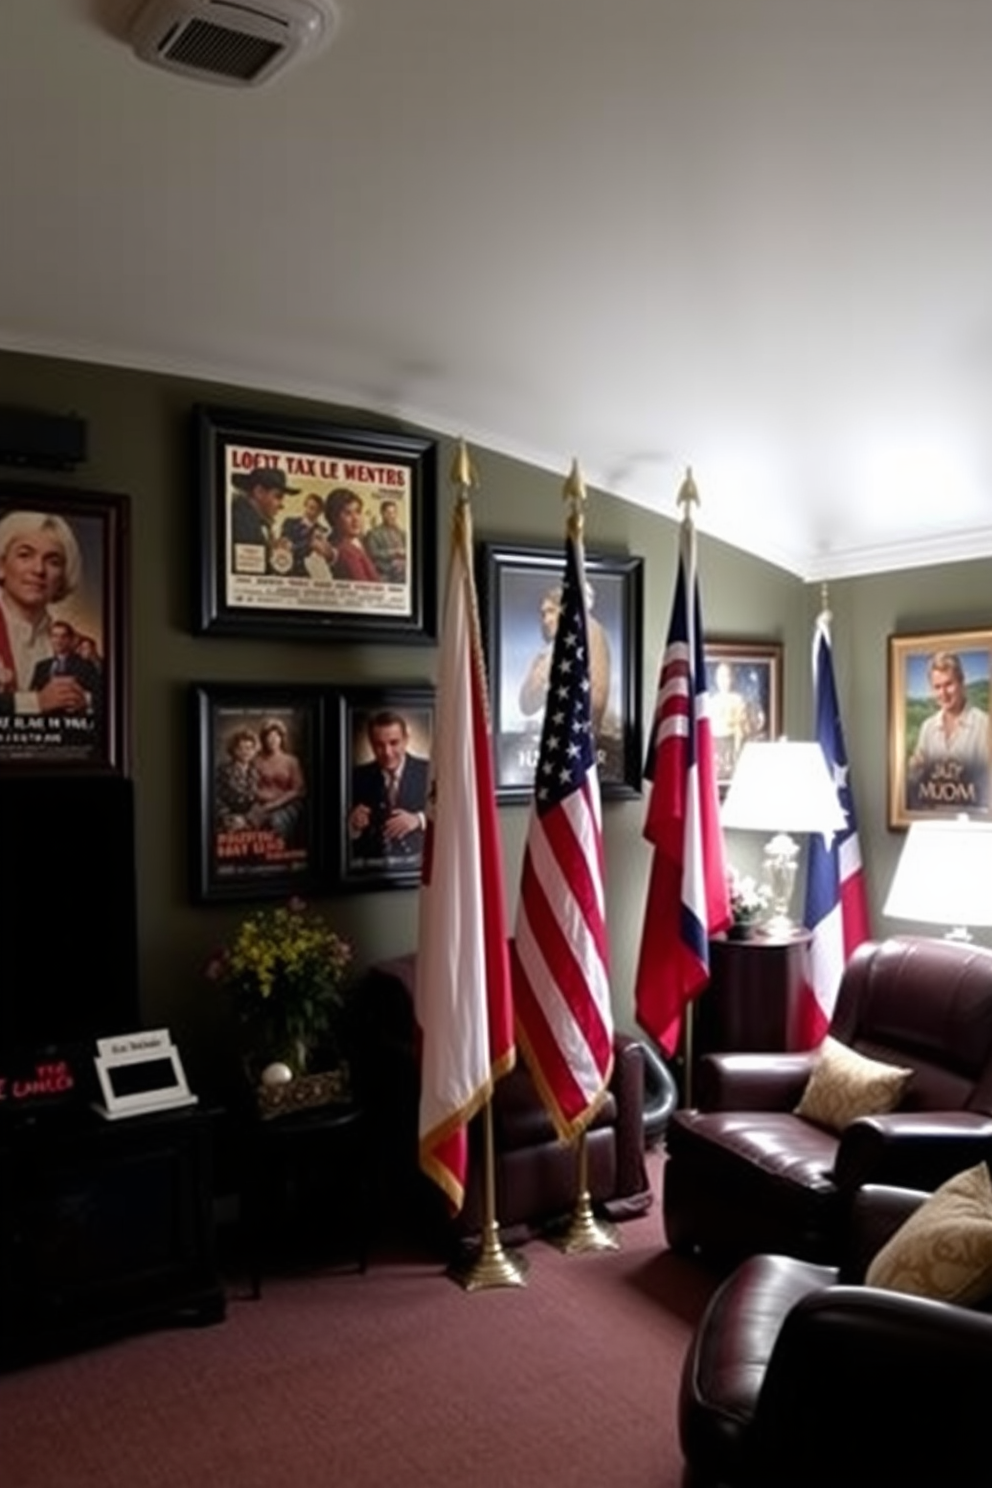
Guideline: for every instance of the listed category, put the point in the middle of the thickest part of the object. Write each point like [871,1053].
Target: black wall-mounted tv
[68,911]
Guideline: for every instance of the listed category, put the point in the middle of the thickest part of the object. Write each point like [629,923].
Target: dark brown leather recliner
[744,1174]
[536,1175]
[799,1377]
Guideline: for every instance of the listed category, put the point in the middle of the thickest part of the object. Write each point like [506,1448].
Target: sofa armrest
[918,1149]
[877,1211]
[627,1087]
[752,1082]
[905,1383]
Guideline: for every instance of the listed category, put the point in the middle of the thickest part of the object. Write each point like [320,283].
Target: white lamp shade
[782,787]
[944,874]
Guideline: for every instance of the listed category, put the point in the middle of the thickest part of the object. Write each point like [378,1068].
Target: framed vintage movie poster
[744,684]
[308,530]
[385,740]
[63,635]
[940,753]
[521,594]
[256,764]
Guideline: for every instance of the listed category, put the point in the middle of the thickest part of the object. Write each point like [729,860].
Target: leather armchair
[536,1174]
[799,1375]
[745,1174]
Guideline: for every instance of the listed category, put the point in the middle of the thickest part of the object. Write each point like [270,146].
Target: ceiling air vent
[231,41]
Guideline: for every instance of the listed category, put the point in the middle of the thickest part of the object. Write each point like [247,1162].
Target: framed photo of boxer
[256,753]
[386,735]
[63,629]
[311,531]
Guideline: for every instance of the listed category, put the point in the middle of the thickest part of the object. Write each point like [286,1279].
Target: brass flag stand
[585,1233]
[492,1267]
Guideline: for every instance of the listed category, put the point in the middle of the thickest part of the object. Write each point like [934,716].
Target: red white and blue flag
[836,902]
[688,897]
[561,983]
[463,996]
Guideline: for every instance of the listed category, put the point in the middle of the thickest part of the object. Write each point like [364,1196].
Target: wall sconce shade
[944,875]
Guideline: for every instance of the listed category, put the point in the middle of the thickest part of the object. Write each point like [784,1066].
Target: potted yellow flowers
[286,971]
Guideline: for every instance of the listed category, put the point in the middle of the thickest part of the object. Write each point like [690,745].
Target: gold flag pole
[492,1267]
[584,1232]
[687,495]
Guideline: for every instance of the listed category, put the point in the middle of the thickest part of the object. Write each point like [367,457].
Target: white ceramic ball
[277,1074]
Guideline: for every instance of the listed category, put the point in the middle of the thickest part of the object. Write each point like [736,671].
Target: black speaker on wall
[44,441]
[68,911]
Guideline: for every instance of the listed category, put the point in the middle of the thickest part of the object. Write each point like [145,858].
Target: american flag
[836,901]
[462,996]
[561,982]
[688,898]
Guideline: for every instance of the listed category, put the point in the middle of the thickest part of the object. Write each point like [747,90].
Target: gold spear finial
[574,492]
[687,495]
[462,470]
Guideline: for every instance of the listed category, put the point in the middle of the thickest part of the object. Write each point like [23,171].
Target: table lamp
[782,787]
[944,875]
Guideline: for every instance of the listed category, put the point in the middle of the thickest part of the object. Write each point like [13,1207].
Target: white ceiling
[750,235]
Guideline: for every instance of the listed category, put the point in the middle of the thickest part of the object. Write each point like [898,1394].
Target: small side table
[753,1002]
[306,1172]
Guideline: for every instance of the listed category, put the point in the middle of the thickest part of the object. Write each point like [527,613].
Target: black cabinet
[306,1181]
[754,1001]
[105,1226]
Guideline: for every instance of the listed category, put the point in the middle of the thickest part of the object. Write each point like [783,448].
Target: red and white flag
[561,981]
[688,897]
[836,901]
[463,998]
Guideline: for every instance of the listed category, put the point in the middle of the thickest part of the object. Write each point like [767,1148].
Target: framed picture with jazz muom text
[311,531]
[256,766]
[940,753]
[744,685]
[63,629]
[521,593]
[385,738]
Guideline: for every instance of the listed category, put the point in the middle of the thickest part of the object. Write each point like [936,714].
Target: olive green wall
[946,598]
[139,443]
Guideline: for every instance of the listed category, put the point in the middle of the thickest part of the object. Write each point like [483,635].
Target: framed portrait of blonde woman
[940,751]
[63,629]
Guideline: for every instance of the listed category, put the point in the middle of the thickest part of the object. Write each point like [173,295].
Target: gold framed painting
[744,683]
[940,751]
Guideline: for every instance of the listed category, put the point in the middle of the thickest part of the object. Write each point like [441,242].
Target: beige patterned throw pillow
[845,1085]
[944,1249]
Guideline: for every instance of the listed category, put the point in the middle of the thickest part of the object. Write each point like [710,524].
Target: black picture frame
[246,843]
[514,580]
[64,702]
[363,860]
[258,576]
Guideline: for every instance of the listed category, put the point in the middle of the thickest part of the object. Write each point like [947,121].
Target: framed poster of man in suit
[386,738]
